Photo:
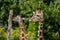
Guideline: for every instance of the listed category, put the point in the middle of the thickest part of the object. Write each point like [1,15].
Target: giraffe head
[11,12]
[17,18]
[37,15]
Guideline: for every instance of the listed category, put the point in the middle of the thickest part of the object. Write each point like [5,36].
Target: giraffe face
[37,16]
[17,18]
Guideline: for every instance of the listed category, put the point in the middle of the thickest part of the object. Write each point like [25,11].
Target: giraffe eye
[37,15]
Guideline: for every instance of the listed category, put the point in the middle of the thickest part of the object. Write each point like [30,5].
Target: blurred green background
[51,10]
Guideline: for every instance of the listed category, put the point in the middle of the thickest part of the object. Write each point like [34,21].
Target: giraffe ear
[33,12]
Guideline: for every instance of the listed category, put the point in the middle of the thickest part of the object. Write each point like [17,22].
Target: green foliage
[3,34]
[31,36]
[15,34]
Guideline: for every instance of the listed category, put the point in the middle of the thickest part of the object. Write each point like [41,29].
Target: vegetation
[51,10]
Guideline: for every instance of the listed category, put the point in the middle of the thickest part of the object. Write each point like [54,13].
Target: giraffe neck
[22,33]
[40,31]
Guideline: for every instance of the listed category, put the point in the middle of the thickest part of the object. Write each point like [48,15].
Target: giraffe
[38,17]
[21,25]
[9,24]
